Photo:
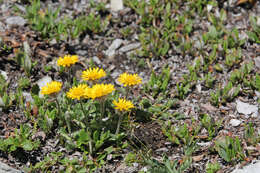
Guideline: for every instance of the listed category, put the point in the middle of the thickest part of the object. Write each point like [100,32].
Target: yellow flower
[78,92]
[100,90]
[93,74]
[67,60]
[123,105]
[51,87]
[129,79]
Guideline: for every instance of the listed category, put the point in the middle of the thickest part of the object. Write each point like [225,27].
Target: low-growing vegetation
[76,97]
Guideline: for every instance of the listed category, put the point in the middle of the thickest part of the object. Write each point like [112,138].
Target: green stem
[118,124]
[127,92]
[102,104]
[70,75]
[58,105]
[81,105]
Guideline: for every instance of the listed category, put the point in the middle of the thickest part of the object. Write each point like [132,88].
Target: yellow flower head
[123,105]
[100,90]
[51,87]
[78,92]
[93,74]
[129,79]
[67,60]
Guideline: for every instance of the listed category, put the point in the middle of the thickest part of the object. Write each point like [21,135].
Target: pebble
[252,168]
[15,20]
[257,62]
[4,74]
[110,52]
[129,47]
[162,150]
[2,27]
[4,168]
[116,5]
[96,60]
[235,122]
[245,108]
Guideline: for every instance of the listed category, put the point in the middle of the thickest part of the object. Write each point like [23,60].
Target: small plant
[212,167]
[211,126]
[209,80]
[233,57]
[251,135]
[182,134]
[23,58]
[228,93]
[158,83]
[20,139]
[168,166]
[46,21]
[254,33]
[229,148]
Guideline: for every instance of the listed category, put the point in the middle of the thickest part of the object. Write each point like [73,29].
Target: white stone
[96,60]
[235,122]
[258,21]
[129,47]
[112,48]
[4,74]
[257,62]
[15,20]
[4,168]
[245,108]
[116,5]
[252,168]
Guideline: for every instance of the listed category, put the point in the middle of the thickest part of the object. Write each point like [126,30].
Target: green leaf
[27,145]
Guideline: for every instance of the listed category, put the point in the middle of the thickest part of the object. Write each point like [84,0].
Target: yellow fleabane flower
[123,104]
[100,90]
[51,88]
[129,79]
[67,60]
[78,92]
[93,74]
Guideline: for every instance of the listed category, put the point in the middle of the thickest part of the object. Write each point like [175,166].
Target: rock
[162,150]
[245,108]
[257,62]
[7,169]
[4,74]
[42,82]
[198,88]
[20,7]
[96,60]
[112,48]
[82,52]
[129,47]
[234,122]
[258,21]
[2,27]
[208,107]
[116,5]
[252,168]
[204,144]
[15,20]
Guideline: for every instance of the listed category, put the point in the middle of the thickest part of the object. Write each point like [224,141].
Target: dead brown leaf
[198,158]
[252,2]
